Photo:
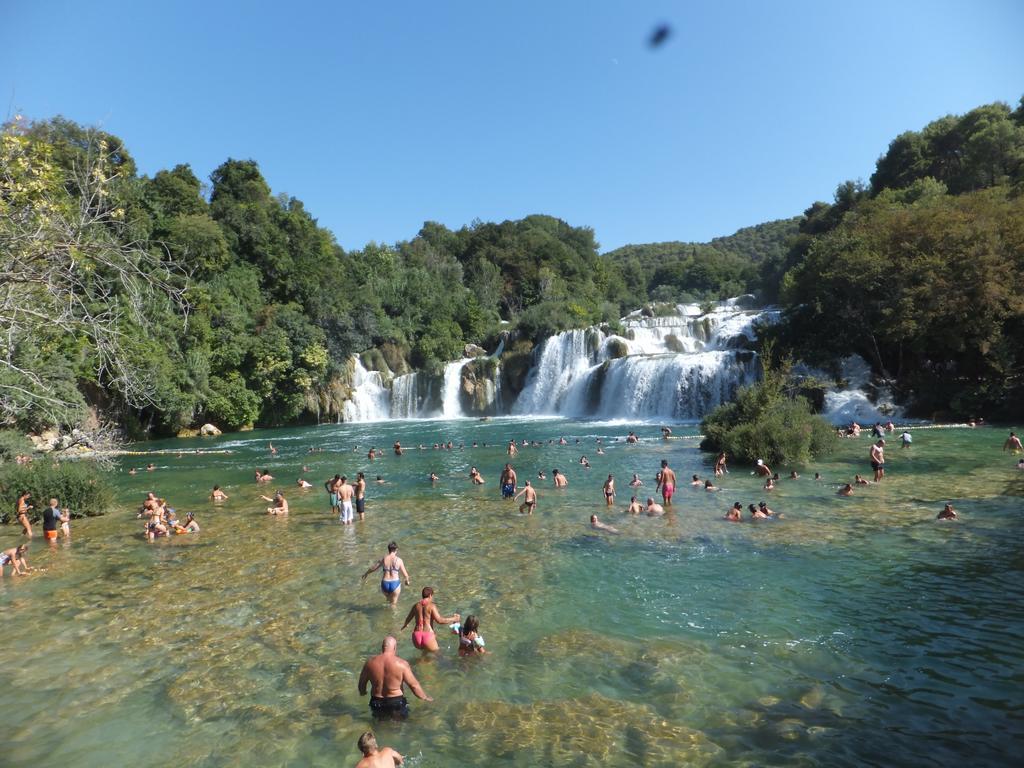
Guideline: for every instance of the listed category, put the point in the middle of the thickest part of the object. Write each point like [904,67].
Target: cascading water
[674,367]
[370,401]
[451,408]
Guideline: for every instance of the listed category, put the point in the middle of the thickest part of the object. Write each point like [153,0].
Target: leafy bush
[80,486]
[13,443]
[768,421]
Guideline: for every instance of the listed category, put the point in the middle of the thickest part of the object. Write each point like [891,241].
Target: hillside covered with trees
[167,301]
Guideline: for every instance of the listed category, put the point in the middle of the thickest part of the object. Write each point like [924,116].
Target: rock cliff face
[516,363]
[479,387]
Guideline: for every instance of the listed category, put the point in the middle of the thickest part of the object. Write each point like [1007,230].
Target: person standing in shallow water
[387,674]
[878,459]
[666,483]
[426,615]
[392,574]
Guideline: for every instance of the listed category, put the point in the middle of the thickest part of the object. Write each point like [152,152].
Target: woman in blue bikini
[393,571]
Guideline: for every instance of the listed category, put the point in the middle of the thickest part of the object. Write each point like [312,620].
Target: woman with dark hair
[393,569]
[471,642]
[21,508]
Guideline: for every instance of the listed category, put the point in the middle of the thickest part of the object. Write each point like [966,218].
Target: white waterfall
[370,401]
[678,366]
[450,406]
[852,402]
[410,399]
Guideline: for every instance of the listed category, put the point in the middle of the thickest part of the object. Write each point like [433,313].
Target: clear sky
[382,115]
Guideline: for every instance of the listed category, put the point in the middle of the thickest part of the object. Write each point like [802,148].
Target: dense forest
[165,301]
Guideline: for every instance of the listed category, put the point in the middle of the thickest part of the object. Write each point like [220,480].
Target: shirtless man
[635,507]
[332,492]
[386,675]
[666,433]
[559,479]
[377,757]
[345,494]
[597,525]
[762,469]
[371,454]
[666,482]
[1013,443]
[734,515]
[508,481]
[529,495]
[846,490]
[360,495]
[653,510]
[948,513]
[280,504]
[392,573]
[609,490]
[878,459]
[512,450]
[427,615]
[217,494]
[397,448]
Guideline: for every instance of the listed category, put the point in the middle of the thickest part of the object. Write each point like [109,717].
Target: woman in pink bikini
[426,615]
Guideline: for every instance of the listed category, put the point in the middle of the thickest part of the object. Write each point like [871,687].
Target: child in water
[471,642]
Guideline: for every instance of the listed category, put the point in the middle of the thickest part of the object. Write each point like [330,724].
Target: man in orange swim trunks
[426,615]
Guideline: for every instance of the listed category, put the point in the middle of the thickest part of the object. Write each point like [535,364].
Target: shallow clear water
[854,632]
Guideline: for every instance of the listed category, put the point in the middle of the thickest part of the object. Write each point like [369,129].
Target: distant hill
[757,243]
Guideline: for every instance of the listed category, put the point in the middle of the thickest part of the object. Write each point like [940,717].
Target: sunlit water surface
[855,631]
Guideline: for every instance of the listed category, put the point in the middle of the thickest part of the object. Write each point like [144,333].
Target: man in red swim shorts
[666,482]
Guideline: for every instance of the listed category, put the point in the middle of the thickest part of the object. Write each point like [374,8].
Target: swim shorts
[667,490]
[389,706]
[508,491]
[50,535]
[346,511]
[875,465]
[334,499]
[361,505]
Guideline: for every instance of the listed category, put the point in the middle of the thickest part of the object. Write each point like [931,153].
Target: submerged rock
[209,430]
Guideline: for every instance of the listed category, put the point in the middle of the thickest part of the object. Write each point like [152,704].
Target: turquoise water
[855,631]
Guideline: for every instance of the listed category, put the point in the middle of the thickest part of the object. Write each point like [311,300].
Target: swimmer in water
[392,574]
[471,643]
[377,757]
[735,515]
[597,525]
[710,487]
[280,504]
[793,475]
[559,479]
[541,475]
[846,490]
[762,469]
[756,513]
[434,478]
[654,510]
[947,513]
[769,484]
[475,476]
[304,484]
[635,507]
[858,480]
[720,468]
[1013,443]
[696,482]
[666,483]
[636,482]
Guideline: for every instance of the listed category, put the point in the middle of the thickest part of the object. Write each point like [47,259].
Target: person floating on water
[597,525]
[392,574]
[303,483]
[387,674]
[426,615]
[377,757]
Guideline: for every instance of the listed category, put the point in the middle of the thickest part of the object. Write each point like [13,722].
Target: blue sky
[383,115]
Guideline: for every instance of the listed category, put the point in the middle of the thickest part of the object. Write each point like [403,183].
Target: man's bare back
[385,757]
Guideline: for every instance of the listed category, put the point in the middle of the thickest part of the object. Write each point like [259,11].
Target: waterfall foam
[370,401]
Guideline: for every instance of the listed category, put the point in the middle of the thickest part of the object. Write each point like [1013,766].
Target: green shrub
[768,421]
[13,443]
[80,486]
